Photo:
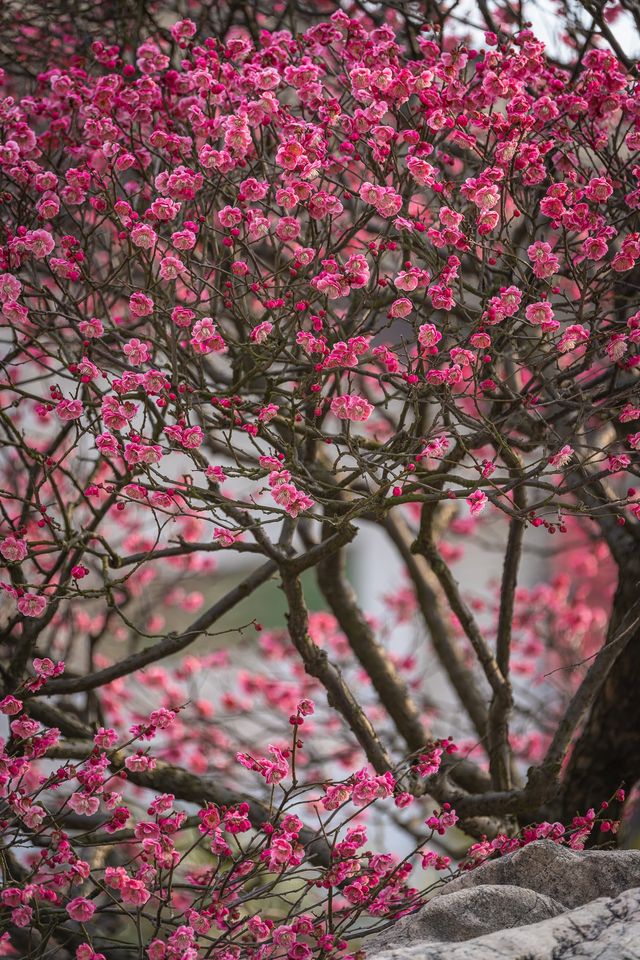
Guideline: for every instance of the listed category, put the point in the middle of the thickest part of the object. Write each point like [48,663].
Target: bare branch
[317,664]
[428,549]
[427,590]
[165,648]
[393,692]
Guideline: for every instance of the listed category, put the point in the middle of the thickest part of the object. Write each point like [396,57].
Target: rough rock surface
[543,902]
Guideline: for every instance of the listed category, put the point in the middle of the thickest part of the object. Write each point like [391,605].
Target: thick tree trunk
[607,753]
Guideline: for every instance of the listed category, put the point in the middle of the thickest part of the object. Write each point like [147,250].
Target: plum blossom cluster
[260,290]
[212,909]
[317,322]
[212,912]
[573,836]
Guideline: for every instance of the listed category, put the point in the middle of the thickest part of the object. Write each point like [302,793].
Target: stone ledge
[543,902]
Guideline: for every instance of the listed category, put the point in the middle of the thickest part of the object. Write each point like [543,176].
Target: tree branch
[167,778]
[427,548]
[427,592]
[582,700]
[165,648]
[392,691]
[318,665]
[500,756]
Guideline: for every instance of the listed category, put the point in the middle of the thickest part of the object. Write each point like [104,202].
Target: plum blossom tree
[270,277]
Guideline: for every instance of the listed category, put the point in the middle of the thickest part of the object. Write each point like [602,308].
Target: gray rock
[605,929]
[464,914]
[543,902]
[571,877]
